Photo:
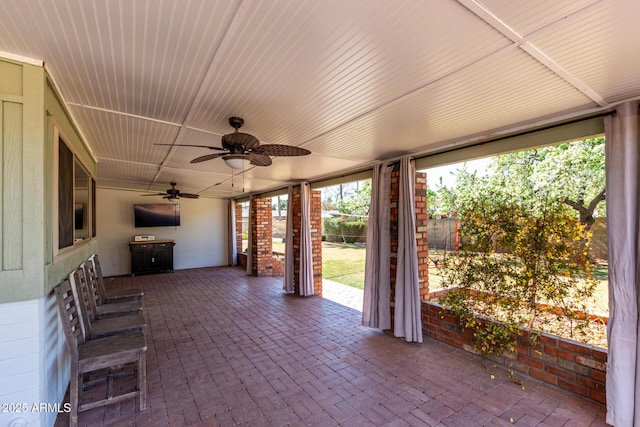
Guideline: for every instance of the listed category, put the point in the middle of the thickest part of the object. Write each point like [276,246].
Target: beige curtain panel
[288,248]
[250,239]
[306,255]
[376,309]
[233,247]
[623,202]
[407,314]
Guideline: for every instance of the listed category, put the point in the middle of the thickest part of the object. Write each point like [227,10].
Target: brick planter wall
[277,265]
[568,364]
[242,260]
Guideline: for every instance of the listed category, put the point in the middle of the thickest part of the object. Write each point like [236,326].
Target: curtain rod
[520,133]
[392,162]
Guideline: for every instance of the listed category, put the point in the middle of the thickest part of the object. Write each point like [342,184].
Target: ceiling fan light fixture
[236,161]
[242,149]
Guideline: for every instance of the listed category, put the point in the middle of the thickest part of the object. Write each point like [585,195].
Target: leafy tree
[456,198]
[358,202]
[523,243]
[433,203]
[573,173]
[279,204]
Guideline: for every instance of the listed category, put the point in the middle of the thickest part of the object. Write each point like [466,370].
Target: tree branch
[575,205]
[600,197]
[586,213]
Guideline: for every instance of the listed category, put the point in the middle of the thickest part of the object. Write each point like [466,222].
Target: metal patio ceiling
[354,81]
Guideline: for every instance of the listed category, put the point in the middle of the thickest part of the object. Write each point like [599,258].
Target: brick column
[422,243]
[261,229]
[316,240]
[294,209]
[422,240]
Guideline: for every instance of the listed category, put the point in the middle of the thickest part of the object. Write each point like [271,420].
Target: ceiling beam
[478,9]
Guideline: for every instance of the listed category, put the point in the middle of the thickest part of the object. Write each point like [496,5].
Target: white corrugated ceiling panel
[600,47]
[119,184]
[187,181]
[138,57]
[354,81]
[311,66]
[286,169]
[238,184]
[123,137]
[529,16]
[514,88]
[180,157]
[126,172]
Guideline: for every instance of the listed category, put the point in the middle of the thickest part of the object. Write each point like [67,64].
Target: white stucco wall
[34,362]
[201,238]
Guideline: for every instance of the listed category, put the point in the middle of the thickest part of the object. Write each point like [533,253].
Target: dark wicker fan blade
[258,159]
[206,157]
[281,150]
[188,195]
[240,139]
[155,194]
[192,145]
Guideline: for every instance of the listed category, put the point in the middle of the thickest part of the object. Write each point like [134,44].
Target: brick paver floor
[225,349]
[342,294]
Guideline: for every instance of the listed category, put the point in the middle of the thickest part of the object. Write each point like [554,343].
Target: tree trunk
[279,210]
[586,212]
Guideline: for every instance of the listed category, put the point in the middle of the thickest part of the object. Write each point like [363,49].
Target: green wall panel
[30,108]
[10,78]
[13,191]
[21,139]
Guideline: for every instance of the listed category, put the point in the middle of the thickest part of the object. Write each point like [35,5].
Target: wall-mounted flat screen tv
[157,215]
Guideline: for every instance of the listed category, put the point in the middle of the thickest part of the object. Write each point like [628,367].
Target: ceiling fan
[238,148]
[173,193]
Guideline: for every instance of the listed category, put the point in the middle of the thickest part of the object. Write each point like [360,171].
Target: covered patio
[229,349]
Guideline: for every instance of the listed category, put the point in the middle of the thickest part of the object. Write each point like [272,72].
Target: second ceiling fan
[239,148]
[173,193]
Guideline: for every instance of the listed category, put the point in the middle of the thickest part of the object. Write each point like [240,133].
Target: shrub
[338,230]
[545,271]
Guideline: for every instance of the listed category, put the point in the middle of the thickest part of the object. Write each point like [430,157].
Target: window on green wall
[65,195]
[74,199]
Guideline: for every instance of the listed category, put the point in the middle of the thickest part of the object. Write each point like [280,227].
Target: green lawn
[278,246]
[343,263]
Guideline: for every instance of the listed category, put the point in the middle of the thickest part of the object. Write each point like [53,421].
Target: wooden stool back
[102,355]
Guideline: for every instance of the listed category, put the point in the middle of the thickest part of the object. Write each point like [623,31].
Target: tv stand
[155,256]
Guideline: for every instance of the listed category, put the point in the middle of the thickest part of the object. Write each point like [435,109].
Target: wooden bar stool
[94,273]
[99,307]
[94,327]
[97,355]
